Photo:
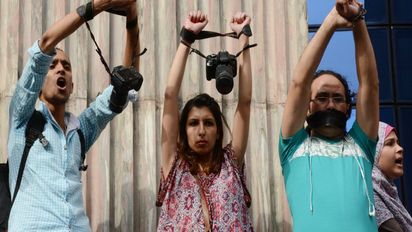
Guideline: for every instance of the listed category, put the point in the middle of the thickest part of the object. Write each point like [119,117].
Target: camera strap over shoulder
[34,131]
[82,166]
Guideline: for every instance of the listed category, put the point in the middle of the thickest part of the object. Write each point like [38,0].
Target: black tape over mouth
[327,118]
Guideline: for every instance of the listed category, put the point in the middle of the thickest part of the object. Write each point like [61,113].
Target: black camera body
[222,67]
[123,80]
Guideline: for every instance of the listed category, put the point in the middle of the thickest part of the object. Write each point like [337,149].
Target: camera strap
[99,51]
[194,50]
[190,37]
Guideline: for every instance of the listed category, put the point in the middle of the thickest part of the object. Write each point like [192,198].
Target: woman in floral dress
[202,185]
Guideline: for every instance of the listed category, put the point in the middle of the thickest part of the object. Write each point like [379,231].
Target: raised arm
[69,23]
[194,22]
[132,48]
[242,114]
[298,98]
[367,103]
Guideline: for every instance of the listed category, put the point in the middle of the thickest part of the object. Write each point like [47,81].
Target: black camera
[222,67]
[123,79]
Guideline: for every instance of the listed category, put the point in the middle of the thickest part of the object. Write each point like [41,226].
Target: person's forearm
[96,116]
[176,72]
[132,40]
[313,53]
[66,26]
[365,56]
[367,103]
[298,98]
[245,72]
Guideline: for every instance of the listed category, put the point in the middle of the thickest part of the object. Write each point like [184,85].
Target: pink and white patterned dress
[180,199]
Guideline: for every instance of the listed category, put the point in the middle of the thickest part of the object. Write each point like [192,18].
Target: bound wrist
[86,11]
[131,24]
[360,16]
[246,30]
[187,36]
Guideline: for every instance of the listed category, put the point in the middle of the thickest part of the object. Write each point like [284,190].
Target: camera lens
[224,79]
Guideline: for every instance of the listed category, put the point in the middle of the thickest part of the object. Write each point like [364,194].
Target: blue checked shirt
[50,195]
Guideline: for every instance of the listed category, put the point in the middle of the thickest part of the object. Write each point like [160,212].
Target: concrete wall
[121,183]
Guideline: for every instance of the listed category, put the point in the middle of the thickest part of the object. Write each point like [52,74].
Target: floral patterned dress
[226,193]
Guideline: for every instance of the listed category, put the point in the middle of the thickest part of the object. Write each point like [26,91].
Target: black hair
[185,152]
[349,95]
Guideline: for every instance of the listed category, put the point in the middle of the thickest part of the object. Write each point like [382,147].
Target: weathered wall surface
[121,183]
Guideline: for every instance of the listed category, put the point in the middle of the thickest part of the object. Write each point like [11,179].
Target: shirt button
[65,146]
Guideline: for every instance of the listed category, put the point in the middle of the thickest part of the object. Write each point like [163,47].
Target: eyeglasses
[323,100]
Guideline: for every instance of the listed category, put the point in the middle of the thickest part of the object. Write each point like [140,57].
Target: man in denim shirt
[50,195]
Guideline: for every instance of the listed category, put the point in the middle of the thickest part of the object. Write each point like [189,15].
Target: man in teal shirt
[328,171]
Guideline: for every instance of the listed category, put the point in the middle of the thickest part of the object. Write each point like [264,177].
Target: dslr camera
[123,80]
[222,67]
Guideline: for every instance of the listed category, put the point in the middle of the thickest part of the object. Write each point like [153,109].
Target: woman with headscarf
[391,215]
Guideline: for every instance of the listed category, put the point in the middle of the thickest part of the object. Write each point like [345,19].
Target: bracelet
[132,23]
[86,11]
[360,16]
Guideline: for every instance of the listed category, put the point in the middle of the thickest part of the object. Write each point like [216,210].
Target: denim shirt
[50,194]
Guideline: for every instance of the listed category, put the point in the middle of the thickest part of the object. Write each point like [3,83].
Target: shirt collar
[71,121]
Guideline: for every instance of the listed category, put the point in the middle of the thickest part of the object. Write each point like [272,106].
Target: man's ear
[71,91]
[348,112]
[309,112]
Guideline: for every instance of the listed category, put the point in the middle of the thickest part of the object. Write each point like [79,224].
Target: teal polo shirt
[324,183]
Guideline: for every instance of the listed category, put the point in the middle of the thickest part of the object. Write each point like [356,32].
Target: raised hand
[195,21]
[238,21]
[348,9]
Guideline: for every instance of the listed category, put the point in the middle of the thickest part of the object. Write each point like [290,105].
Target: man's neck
[328,133]
[58,114]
